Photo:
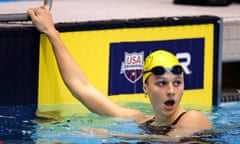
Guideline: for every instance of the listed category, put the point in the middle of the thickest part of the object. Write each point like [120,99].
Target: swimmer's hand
[97,132]
[42,19]
[147,137]
[103,133]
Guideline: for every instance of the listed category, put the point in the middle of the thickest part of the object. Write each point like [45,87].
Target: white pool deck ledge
[96,10]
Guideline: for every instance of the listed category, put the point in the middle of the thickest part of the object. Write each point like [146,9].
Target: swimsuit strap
[178,118]
[161,130]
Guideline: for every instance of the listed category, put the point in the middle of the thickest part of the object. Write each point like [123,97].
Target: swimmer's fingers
[103,133]
[147,137]
[97,132]
[94,130]
[41,18]
[32,14]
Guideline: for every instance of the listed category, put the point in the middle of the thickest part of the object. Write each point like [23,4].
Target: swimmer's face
[165,92]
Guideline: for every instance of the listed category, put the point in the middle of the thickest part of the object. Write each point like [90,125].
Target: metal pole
[22,16]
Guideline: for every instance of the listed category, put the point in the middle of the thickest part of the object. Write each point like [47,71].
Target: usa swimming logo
[132,66]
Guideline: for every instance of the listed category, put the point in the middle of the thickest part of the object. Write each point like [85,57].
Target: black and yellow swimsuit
[160,130]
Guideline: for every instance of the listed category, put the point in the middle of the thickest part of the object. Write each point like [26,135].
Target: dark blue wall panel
[19,54]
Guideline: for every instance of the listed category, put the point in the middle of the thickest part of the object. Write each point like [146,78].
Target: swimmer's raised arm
[72,75]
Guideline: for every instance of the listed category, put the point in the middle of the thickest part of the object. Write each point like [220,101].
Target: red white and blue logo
[132,66]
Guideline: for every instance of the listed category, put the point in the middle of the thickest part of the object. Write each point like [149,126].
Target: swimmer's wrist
[52,33]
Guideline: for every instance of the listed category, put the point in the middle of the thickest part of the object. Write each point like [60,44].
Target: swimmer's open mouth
[169,102]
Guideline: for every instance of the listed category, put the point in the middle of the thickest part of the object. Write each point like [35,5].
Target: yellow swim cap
[159,58]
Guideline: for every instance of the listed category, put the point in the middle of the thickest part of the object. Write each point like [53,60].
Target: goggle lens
[159,70]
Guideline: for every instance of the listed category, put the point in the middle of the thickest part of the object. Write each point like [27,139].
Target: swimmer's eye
[177,83]
[161,83]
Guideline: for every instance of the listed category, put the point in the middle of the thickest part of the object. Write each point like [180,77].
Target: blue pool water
[19,124]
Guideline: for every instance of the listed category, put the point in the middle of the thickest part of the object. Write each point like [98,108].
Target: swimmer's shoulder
[194,120]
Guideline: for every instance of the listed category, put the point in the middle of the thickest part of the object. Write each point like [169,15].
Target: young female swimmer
[163,82]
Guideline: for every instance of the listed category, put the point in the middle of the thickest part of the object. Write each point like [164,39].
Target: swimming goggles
[159,70]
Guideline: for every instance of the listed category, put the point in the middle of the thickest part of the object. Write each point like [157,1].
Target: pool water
[19,124]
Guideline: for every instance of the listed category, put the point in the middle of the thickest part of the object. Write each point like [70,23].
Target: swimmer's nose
[170,92]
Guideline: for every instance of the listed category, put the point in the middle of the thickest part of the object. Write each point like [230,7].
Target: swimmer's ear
[145,89]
